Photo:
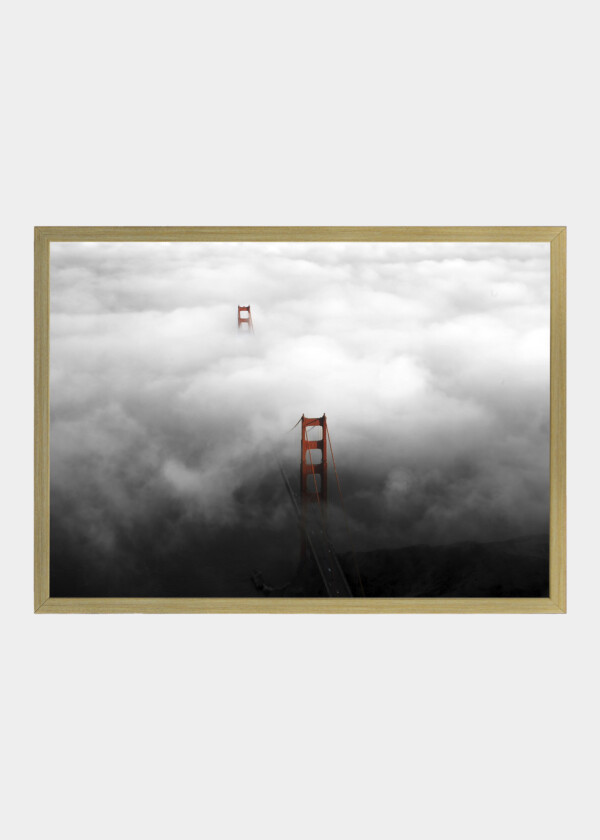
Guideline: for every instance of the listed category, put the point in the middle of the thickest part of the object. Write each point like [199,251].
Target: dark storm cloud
[431,362]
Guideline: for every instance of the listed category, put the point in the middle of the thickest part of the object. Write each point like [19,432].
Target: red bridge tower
[313,472]
[246,320]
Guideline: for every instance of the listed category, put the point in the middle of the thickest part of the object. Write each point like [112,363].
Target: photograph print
[299,419]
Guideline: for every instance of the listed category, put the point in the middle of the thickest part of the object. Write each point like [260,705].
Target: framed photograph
[365,419]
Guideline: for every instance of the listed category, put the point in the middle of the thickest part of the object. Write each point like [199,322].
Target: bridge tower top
[245,319]
[313,461]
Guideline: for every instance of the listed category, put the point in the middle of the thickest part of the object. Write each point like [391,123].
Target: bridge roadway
[321,549]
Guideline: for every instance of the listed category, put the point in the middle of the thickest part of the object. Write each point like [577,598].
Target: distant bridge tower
[246,320]
[313,473]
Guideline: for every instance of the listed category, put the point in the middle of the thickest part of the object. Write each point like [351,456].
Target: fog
[431,362]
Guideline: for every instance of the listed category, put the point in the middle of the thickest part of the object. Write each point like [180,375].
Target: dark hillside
[513,568]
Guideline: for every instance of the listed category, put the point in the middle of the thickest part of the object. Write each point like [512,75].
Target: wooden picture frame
[555,603]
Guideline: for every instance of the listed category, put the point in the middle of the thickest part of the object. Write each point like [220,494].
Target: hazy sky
[431,362]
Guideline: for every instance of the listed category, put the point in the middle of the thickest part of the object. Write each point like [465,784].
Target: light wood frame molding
[555,603]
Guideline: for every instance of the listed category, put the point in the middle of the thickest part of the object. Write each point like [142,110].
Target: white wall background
[305,726]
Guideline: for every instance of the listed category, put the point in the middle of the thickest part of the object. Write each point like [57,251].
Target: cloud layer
[430,361]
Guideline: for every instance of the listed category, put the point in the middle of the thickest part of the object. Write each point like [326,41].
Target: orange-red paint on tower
[246,319]
[313,472]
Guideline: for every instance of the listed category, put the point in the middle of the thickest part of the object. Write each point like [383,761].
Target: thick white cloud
[430,360]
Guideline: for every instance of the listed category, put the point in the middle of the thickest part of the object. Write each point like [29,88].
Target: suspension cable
[294,426]
[339,486]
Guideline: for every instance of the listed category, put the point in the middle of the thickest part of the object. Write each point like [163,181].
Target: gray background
[318,726]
